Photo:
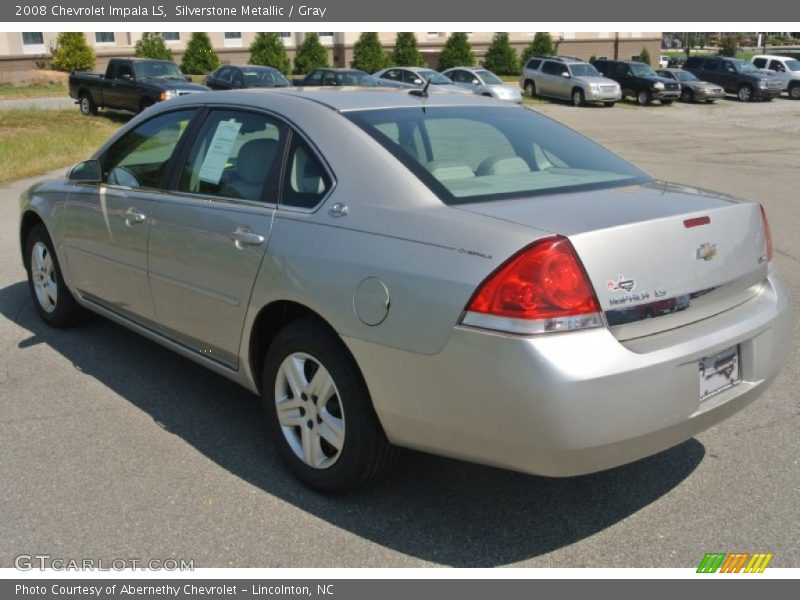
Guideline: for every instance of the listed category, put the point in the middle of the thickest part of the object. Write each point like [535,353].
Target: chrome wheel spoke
[295,376]
[331,429]
[43,277]
[321,386]
[289,413]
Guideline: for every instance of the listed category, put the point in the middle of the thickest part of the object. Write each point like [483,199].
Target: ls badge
[706,252]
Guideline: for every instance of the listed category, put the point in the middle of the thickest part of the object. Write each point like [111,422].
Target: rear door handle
[134,217]
[243,236]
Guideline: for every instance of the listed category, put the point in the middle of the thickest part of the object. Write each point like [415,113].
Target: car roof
[344,99]
[773,57]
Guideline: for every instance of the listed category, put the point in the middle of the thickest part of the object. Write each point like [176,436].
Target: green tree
[72,53]
[456,52]
[151,45]
[406,53]
[501,58]
[268,50]
[728,45]
[541,45]
[368,53]
[199,57]
[311,54]
[644,56]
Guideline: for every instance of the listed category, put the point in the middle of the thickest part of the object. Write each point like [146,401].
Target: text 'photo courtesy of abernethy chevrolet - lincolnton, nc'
[395,266]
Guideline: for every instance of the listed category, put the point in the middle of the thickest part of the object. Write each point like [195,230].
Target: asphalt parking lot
[113,447]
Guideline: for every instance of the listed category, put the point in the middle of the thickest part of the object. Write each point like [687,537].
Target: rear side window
[533,63]
[481,154]
[760,62]
[692,62]
[552,68]
[139,158]
[305,181]
[236,155]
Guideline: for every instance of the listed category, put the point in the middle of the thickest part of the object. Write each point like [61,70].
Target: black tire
[530,88]
[578,98]
[687,95]
[744,93]
[86,104]
[794,91]
[643,98]
[366,452]
[609,104]
[66,312]
[145,103]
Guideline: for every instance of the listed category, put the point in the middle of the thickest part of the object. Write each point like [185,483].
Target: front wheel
[687,95]
[745,93]
[643,98]
[578,98]
[320,412]
[530,89]
[52,299]
[794,91]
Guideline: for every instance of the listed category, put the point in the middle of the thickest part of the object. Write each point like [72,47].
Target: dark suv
[640,81]
[736,76]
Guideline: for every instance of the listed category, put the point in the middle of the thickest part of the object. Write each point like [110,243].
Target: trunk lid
[653,268]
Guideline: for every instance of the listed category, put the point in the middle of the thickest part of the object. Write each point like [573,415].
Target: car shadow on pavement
[435,509]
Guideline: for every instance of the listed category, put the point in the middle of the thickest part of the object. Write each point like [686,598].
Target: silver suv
[568,78]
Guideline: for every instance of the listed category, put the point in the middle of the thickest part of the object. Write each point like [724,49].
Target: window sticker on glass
[219,151]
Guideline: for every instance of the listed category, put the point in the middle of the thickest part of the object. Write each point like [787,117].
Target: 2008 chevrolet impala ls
[439,272]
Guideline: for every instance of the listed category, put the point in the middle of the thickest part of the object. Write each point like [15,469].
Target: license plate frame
[719,372]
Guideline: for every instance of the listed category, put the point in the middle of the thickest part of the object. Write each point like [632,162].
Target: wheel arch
[29,220]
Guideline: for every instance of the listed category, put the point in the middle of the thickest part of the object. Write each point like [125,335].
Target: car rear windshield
[477,154]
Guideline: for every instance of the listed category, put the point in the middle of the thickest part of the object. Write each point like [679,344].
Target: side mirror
[418,82]
[476,82]
[565,74]
[88,171]
[126,77]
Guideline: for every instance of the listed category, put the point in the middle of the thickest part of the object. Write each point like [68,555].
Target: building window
[33,43]
[602,58]
[104,37]
[433,34]
[604,34]
[569,35]
[171,36]
[326,37]
[233,39]
[286,37]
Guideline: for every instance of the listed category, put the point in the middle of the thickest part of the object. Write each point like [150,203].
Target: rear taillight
[543,288]
[767,233]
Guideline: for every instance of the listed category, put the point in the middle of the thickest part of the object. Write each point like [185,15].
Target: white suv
[786,68]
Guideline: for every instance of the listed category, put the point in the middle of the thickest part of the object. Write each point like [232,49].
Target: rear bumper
[572,403]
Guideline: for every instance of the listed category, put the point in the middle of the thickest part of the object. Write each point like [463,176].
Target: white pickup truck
[786,68]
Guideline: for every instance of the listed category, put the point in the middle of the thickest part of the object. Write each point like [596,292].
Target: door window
[761,63]
[236,155]
[139,158]
[777,66]
[315,78]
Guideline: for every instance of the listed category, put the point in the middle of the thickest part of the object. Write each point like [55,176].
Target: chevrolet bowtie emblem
[706,252]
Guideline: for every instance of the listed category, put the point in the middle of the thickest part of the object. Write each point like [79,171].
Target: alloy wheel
[309,410]
[43,273]
[745,93]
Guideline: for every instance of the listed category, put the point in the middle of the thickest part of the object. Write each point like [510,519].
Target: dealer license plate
[719,372]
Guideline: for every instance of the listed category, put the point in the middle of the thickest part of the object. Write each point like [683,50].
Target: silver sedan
[417,77]
[484,83]
[446,273]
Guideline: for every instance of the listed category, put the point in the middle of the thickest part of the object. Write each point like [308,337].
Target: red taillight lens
[544,281]
[767,233]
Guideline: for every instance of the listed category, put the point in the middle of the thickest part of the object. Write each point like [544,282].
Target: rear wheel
[745,93]
[643,98]
[794,91]
[687,95]
[530,88]
[86,104]
[578,99]
[320,412]
[52,299]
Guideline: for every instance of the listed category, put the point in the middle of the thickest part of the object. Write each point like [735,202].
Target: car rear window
[476,154]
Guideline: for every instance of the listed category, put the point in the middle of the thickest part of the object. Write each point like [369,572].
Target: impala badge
[706,252]
[622,283]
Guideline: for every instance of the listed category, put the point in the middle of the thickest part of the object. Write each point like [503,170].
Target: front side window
[481,154]
[776,65]
[139,158]
[305,181]
[393,75]
[642,70]
[552,68]
[315,78]
[235,155]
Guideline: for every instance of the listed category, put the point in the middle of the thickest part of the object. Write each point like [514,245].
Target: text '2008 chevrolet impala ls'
[440,272]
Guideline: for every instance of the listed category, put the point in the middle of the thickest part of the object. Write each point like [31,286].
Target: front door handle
[243,236]
[134,217]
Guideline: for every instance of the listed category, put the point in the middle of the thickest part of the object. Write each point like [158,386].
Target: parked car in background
[337,78]
[414,77]
[568,79]
[640,81]
[130,84]
[440,273]
[785,68]
[692,89]
[735,76]
[483,83]
[230,77]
